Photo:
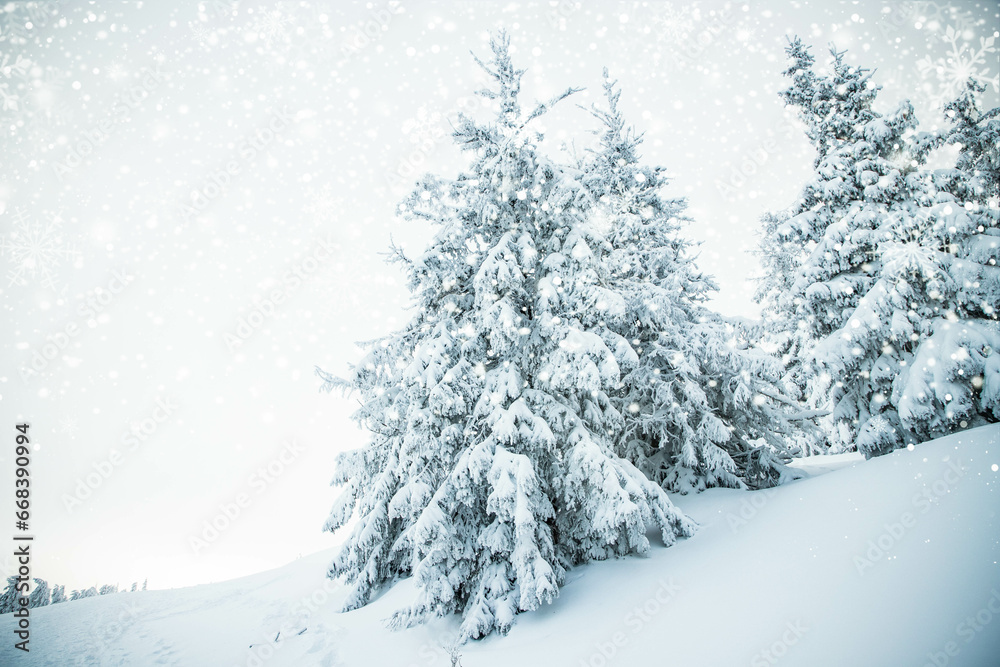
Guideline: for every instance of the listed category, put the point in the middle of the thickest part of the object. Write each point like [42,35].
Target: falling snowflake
[116,71]
[629,202]
[879,425]
[324,204]
[936,20]
[910,258]
[271,25]
[203,34]
[314,36]
[35,250]
[20,21]
[69,425]
[426,128]
[11,72]
[219,8]
[745,35]
[952,71]
[673,24]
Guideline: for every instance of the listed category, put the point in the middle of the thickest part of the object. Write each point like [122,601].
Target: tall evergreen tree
[41,595]
[58,594]
[492,465]
[819,255]
[8,599]
[922,346]
[890,312]
[977,134]
[700,408]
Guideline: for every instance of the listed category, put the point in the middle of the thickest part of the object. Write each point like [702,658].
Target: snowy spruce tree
[701,407]
[9,596]
[492,464]
[40,595]
[818,255]
[885,264]
[922,345]
[977,134]
[815,254]
[59,594]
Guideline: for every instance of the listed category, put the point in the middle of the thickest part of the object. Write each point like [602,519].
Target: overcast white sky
[171,93]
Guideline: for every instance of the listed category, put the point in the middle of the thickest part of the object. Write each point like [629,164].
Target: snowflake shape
[629,202]
[20,66]
[324,204]
[116,71]
[12,71]
[937,19]
[15,17]
[69,425]
[427,127]
[673,24]
[910,258]
[217,8]
[202,33]
[963,62]
[270,25]
[745,35]
[35,250]
[879,425]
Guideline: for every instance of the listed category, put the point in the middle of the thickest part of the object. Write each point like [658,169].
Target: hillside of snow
[894,561]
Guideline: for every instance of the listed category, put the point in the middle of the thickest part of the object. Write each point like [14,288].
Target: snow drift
[892,561]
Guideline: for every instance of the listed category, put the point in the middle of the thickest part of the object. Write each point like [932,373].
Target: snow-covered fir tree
[818,255]
[8,598]
[59,594]
[40,595]
[492,466]
[977,133]
[890,308]
[84,593]
[922,346]
[701,408]
[815,254]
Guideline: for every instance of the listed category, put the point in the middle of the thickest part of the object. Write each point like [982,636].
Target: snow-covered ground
[888,562]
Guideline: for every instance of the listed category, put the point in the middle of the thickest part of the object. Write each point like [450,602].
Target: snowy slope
[889,562]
